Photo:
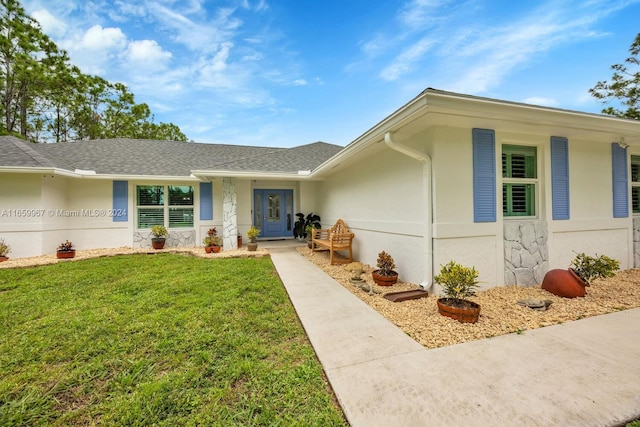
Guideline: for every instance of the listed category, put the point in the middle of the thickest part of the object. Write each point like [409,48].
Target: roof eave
[288,176]
[414,108]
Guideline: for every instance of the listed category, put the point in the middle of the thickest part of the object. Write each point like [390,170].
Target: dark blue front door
[273,212]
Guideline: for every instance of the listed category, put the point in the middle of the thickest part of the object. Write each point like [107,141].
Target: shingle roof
[122,156]
[15,152]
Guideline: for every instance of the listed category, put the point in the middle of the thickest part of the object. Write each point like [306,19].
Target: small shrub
[212,241]
[159,231]
[4,248]
[65,246]
[591,268]
[458,282]
[386,264]
[252,234]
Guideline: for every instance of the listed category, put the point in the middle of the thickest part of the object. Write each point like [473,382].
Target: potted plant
[252,235]
[160,235]
[385,275]
[308,231]
[458,283]
[213,242]
[584,269]
[65,250]
[4,250]
[302,225]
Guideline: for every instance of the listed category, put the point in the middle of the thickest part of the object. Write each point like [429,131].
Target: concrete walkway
[582,373]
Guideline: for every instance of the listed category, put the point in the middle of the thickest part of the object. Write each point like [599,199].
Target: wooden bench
[336,238]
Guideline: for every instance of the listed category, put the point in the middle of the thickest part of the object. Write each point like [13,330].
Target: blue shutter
[484,175]
[120,201]
[559,178]
[206,201]
[620,189]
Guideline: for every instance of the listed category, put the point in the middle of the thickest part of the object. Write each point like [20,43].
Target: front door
[273,212]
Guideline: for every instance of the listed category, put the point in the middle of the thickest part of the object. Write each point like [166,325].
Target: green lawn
[156,340]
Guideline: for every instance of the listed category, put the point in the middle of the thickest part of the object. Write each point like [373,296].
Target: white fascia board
[46,171]
[470,106]
[116,177]
[285,176]
[410,111]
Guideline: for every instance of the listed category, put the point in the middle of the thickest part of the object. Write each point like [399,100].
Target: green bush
[591,268]
[458,282]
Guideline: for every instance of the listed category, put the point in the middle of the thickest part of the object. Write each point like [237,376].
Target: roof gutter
[427,200]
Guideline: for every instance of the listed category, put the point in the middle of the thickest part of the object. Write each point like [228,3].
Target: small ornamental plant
[590,268]
[458,282]
[386,265]
[65,246]
[212,238]
[159,231]
[308,231]
[4,248]
[252,234]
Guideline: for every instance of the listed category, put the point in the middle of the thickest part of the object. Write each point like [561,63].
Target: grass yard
[156,340]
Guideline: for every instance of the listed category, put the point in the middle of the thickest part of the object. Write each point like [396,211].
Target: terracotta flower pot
[3,258]
[564,283]
[66,254]
[465,312]
[252,246]
[158,242]
[381,280]
[215,249]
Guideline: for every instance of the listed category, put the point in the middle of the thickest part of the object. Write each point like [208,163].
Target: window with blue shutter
[206,201]
[120,201]
[519,178]
[620,189]
[635,184]
[559,178]
[484,175]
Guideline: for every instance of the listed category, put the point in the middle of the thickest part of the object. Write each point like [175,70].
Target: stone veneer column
[636,242]
[525,252]
[229,214]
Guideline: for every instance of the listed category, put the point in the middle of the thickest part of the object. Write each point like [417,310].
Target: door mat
[406,295]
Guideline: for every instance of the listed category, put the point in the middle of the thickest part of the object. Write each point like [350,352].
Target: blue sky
[291,72]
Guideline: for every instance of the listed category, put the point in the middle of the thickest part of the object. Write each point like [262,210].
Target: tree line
[44,98]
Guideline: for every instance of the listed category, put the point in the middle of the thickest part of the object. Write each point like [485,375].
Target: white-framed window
[519,180]
[635,184]
[168,205]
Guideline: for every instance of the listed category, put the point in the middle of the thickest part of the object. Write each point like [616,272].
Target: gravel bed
[500,312]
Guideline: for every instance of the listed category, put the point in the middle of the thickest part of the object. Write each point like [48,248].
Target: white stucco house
[510,188]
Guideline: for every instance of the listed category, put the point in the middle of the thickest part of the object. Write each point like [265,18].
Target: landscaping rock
[535,304]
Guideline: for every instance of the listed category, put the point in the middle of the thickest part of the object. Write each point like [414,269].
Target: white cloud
[405,62]
[103,39]
[420,13]
[51,25]
[147,51]
[539,100]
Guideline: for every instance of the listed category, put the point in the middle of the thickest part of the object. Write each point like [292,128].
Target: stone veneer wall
[229,214]
[176,239]
[636,242]
[525,252]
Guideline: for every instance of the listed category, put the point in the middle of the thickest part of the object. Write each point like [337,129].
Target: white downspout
[427,201]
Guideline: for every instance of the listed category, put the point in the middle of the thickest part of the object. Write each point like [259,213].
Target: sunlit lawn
[156,340]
